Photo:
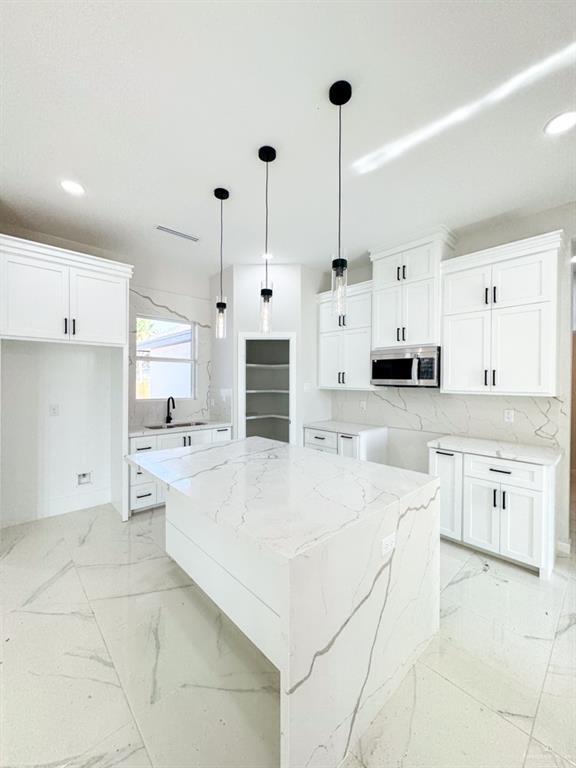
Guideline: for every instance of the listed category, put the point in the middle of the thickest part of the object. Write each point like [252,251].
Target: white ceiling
[151,105]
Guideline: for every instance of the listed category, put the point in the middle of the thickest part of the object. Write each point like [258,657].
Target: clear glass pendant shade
[265,309]
[339,285]
[220,319]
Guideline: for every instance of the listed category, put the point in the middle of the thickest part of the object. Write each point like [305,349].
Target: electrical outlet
[388,544]
[54,409]
[84,478]
[363,406]
[509,416]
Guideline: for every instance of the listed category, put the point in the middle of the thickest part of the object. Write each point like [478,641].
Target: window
[166,358]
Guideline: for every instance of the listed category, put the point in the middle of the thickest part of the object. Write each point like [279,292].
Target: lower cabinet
[146,491]
[500,506]
[368,444]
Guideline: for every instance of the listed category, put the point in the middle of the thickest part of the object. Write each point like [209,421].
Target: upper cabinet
[58,295]
[406,295]
[500,319]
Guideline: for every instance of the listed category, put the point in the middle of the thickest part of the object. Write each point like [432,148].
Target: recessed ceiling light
[560,123]
[72,187]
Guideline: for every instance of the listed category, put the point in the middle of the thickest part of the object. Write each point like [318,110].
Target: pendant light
[267,155]
[340,93]
[220,321]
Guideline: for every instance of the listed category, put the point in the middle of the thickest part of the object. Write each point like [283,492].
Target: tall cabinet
[499,325]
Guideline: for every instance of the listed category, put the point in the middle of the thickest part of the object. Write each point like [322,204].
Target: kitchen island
[329,565]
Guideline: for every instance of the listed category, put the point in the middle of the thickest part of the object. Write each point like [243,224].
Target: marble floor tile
[429,723]
[452,560]
[122,749]
[486,659]
[539,756]
[181,661]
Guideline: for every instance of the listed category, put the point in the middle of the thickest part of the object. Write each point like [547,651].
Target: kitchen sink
[178,425]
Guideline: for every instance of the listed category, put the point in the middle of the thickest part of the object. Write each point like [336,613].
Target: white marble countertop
[146,431]
[346,427]
[533,454]
[284,497]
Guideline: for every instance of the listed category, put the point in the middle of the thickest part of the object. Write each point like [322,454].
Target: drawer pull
[346,437]
[222,430]
[143,495]
[319,438]
[501,471]
[444,453]
[148,448]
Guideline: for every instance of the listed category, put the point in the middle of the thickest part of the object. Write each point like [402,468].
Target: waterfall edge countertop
[284,497]
[325,563]
[147,431]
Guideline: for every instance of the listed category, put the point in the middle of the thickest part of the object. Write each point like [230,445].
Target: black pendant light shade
[339,94]
[221,194]
[267,155]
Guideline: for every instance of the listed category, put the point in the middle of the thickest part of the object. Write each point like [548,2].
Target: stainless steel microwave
[406,367]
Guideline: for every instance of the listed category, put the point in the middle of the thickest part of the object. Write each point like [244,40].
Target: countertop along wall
[416,415]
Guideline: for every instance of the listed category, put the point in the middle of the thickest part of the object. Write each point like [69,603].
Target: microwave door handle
[414,370]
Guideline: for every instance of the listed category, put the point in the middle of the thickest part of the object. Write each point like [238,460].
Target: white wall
[42,453]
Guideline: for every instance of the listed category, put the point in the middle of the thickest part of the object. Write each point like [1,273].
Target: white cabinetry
[352,440]
[501,506]
[56,295]
[344,343]
[146,491]
[500,319]
[406,303]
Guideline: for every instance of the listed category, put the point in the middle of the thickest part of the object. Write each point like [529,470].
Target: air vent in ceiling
[178,234]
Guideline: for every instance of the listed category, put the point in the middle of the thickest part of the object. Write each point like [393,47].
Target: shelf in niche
[267,365]
[267,391]
[267,416]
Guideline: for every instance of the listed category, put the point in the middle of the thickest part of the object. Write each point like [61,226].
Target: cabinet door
[525,280]
[419,263]
[387,271]
[521,524]
[481,514]
[327,320]
[387,318]
[466,352]
[34,298]
[523,350]
[355,357]
[173,440]
[419,313]
[448,467]
[200,437]
[468,290]
[222,435]
[348,446]
[358,311]
[97,307]
[329,360]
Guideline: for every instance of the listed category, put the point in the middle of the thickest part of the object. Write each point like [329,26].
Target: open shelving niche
[268,388]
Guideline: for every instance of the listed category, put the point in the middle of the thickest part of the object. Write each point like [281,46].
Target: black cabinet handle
[65,326]
[343,377]
[397,273]
[224,429]
[184,440]
[347,437]
[444,453]
[73,326]
[486,299]
[148,448]
[397,334]
[494,294]
[501,471]
[494,504]
[339,374]
[403,334]
[340,321]
[404,271]
[143,495]
[344,320]
[503,499]
[493,377]
[319,438]
[485,377]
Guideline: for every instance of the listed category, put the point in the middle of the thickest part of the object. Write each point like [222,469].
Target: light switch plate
[508,416]
[54,409]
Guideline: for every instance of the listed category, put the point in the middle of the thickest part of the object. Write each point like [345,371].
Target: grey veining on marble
[340,426]
[532,454]
[146,431]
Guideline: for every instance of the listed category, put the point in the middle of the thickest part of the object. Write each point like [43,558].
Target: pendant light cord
[339,179]
[221,245]
[266,230]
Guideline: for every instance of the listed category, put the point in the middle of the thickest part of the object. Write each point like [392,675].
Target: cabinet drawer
[143,495]
[516,473]
[138,444]
[222,434]
[321,449]
[138,476]
[320,437]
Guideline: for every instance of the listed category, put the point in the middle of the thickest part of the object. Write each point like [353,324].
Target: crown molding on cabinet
[442,237]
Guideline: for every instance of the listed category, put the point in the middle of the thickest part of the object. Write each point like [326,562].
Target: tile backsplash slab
[537,421]
[152,303]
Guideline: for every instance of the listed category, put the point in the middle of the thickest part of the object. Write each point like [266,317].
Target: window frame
[193,361]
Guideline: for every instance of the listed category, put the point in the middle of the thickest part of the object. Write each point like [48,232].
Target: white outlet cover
[388,544]
[363,406]
[54,409]
[509,416]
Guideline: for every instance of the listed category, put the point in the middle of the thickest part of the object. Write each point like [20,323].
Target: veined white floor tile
[452,560]
[486,659]
[540,756]
[122,749]
[61,693]
[429,723]
[202,694]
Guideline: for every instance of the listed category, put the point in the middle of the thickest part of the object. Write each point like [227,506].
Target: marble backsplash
[152,303]
[537,421]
